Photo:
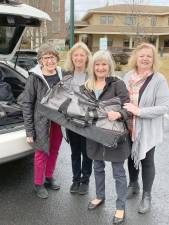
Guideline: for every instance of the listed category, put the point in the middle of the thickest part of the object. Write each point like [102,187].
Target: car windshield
[9,36]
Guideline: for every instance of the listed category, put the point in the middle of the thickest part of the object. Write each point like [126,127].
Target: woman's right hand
[112,115]
[29,140]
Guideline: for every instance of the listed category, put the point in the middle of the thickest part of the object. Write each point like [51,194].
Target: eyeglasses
[47,58]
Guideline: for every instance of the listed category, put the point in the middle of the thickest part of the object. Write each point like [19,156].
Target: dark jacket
[114,88]
[36,124]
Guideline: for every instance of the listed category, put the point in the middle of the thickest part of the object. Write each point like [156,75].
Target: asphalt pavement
[20,206]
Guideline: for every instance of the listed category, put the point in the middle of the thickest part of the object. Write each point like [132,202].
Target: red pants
[44,163]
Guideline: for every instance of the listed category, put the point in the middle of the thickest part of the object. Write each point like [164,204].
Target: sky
[81,6]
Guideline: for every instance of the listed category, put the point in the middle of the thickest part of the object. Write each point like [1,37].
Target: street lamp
[71,23]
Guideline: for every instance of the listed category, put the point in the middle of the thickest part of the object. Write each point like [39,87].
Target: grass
[164,66]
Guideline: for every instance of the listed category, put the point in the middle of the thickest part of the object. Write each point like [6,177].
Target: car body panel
[13,146]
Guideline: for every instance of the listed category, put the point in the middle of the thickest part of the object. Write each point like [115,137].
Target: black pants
[81,164]
[148,170]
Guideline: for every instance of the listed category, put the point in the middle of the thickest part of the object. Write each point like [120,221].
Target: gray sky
[81,6]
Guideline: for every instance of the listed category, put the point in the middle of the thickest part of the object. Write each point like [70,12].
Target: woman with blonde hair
[149,101]
[78,64]
[102,85]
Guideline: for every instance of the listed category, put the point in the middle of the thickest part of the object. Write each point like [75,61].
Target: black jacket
[114,88]
[36,124]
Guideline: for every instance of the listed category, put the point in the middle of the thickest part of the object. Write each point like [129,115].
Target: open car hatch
[14,18]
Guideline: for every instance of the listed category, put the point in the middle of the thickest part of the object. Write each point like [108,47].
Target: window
[56,25]
[166,43]
[126,43]
[106,19]
[110,19]
[153,20]
[130,20]
[103,20]
[110,43]
[55,5]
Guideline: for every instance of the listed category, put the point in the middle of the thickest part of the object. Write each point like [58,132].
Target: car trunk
[11,84]
[14,18]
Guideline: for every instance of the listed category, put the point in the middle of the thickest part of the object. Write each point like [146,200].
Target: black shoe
[94,206]
[83,189]
[117,220]
[52,184]
[74,188]
[132,190]
[145,204]
[41,191]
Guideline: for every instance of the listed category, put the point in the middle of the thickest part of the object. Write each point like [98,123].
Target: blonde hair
[100,55]
[133,58]
[69,66]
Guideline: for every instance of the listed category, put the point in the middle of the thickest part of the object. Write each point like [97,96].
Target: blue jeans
[119,176]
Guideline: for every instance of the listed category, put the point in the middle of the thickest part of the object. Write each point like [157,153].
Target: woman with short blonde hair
[149,101]
[133,59]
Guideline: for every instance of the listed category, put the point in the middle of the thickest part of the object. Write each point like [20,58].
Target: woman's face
[79,59]
[49,62]
[101,69]
[145,59]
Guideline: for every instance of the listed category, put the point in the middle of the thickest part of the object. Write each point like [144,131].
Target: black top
[52,79]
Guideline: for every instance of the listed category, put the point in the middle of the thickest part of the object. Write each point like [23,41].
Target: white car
[14,18]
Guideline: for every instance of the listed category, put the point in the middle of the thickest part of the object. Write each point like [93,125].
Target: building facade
[124,26]
[53,31]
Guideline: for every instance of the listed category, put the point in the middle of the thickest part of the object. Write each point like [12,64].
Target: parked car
[25,58]
[14,18]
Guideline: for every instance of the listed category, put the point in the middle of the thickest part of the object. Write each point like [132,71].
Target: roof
[129,8]
[109,29]
[81,23]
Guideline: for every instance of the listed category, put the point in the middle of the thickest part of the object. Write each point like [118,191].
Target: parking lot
[20,206]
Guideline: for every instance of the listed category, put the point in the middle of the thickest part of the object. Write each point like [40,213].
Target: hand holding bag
[86,116]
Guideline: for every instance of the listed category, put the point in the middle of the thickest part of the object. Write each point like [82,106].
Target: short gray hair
[47,49]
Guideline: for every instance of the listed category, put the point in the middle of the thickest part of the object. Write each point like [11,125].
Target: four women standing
[149,101]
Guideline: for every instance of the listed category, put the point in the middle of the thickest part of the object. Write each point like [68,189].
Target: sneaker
[83,188]
[41,191]
[52,184]
[74,188]
[132,190]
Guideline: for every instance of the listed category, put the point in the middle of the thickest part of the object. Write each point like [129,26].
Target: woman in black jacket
[45,136]
[101,85]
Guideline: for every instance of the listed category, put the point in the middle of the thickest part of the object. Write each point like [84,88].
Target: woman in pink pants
[44,135]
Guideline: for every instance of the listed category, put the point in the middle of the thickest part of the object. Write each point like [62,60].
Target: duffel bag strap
[64,106]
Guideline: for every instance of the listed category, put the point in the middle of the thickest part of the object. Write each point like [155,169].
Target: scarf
[135,83]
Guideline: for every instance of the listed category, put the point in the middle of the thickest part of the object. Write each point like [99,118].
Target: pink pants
[44,164]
